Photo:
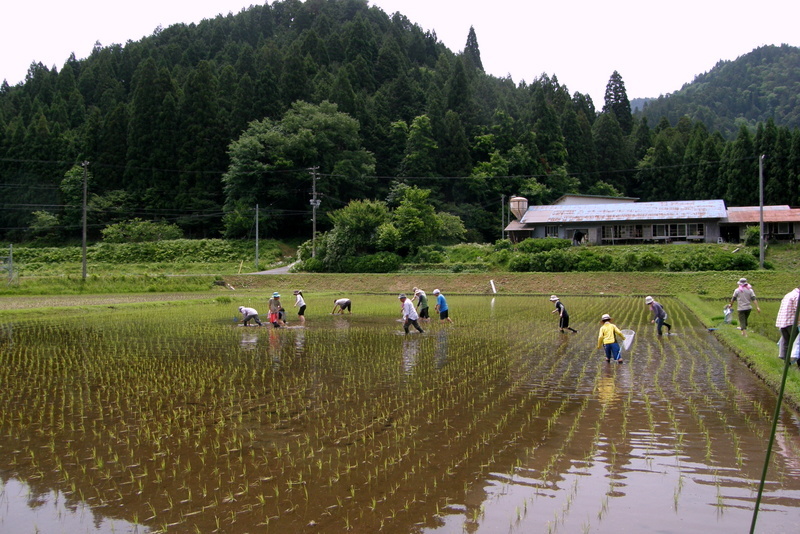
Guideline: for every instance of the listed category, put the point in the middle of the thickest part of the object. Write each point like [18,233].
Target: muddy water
[172,419]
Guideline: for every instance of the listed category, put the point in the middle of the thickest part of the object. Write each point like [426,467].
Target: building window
[551,231]
[679,230]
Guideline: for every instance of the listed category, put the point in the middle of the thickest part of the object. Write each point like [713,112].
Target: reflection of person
[563,316]
[422,303]
[745,297]
[342,304]
[249,313]
[786,319]
[300,304]
[659,315]
[409,314]
[275,309]
[441,307]
[607,338]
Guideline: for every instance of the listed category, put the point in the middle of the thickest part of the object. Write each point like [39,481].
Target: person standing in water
[563,316]
[659,315]
[410,315]
[422,304]
[300,304]
[275,309]
[745,297]
[607,339]
[441,307]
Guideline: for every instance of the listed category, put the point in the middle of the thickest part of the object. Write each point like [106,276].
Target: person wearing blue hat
[275,309]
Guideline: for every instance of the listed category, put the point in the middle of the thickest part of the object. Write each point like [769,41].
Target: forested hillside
[198,124]
[753,88]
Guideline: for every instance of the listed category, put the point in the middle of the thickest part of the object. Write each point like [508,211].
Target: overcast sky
[656,47]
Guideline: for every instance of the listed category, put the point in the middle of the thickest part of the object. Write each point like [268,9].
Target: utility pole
[314,205]
[503,216]
[761,236]
[256,237]
[85,166]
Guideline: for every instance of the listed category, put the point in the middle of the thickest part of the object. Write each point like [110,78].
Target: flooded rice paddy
[174,419]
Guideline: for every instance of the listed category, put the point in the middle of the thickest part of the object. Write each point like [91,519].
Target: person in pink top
[787,319]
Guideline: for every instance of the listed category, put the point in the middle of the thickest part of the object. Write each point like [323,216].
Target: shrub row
[183,250]
[584,259]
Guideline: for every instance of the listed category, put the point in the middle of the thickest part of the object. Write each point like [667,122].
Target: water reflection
[440,350]
[249,339]
[410,353]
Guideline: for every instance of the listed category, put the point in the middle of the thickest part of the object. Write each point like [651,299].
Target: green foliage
[752,236]
[178,250]
[531,245]
[139,231]
[382,262]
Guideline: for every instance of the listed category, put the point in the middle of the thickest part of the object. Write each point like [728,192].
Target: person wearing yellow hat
[563,316]
[607,339]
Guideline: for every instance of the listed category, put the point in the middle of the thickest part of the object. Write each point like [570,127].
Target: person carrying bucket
[563,316]
[607,339]
[745,297]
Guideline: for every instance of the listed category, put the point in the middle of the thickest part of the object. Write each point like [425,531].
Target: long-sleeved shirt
[788,309]
[608,333]
[408,310]
[658,310]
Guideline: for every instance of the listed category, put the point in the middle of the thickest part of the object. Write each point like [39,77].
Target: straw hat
[648,300]
[402,296]
[605,317]
[436,291]
[553,298]
[742,281]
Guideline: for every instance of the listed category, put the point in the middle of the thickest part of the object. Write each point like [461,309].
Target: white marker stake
[494,289]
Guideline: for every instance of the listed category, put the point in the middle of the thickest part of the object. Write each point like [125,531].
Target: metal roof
[752,214]
[624,212]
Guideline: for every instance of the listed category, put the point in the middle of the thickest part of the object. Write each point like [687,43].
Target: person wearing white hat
[248,314]
[745,297]
[342,304]
[563,316]
[275,309]
[441,307]
[607,339]
[659,315]
[422,304]
[409,314]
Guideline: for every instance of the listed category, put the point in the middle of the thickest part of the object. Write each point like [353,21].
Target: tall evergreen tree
[740,171]
[471,51]
[616,102]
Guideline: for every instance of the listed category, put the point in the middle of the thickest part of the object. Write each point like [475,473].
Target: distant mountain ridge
[757,86]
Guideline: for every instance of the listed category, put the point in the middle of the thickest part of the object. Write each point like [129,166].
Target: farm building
[623,220]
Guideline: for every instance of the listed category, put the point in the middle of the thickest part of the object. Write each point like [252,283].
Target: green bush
[519,263]
[430,254]
[139,231]
[532,245]
[382,262]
